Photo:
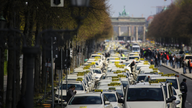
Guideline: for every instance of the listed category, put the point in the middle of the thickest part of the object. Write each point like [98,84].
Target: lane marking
[189,103]
[186,100]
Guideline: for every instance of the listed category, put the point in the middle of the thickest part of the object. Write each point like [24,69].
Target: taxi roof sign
[79,79]
[168,75]
[115,79]
[112,88]
[161,80]
[153,82]
[98,90]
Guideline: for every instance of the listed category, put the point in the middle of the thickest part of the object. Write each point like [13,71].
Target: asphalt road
[188,103]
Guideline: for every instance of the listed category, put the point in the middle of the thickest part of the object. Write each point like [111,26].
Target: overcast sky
[136,7]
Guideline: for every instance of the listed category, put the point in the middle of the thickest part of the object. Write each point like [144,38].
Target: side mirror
[173,98]
[120,101]
[107,102]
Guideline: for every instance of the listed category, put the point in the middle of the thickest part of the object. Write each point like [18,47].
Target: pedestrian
[160,58]
[132,64]
[167,58]
[71,92]
[171,60]
[178,62]
[184,65]
[183,87]
[156,61]
[174,61]
[189,65]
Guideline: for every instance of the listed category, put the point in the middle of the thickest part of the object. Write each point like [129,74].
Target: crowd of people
[175,61]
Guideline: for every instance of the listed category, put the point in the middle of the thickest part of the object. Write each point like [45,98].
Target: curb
[177,72]
[186,76]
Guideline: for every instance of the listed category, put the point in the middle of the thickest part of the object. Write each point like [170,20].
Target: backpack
[190,63]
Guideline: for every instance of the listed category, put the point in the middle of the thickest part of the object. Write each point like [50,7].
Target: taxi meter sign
[112,88]
[83,107]
[98,90]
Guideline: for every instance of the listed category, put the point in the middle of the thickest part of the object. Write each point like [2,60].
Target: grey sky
[136,7]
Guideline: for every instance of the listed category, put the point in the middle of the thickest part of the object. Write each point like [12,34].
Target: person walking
[189,65]
[167,58]
[132,64]
[183,87]
[178,62]
[156,61]
[174,61]
[171,60]
[160,59]
[71,92]
[184,65]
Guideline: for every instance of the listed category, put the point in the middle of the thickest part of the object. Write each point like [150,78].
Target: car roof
[89,94]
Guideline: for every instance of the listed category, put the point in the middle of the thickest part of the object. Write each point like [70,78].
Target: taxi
[145,95]
[97,73]
[61,95]
[187,57]
[171,78]
[113,97]
[89,100]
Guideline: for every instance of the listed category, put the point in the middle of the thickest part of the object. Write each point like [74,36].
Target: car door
[105,105]
[169,95]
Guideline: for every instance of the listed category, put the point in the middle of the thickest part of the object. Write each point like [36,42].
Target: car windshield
[135,49]
[138,67]
[145,94]
[85,100]
[77,86]
[97,71]
[120,92]
[188,57]
[111,97]
[126,64]
[139,78]
[125,83]
[174,82]
[133,57]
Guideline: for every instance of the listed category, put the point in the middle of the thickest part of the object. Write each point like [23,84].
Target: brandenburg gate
[125,21]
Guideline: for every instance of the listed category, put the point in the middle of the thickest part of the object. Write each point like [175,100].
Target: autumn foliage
[173,25]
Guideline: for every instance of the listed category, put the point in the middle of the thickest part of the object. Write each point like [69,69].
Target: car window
[133,57]
[165,90]
[85,100]
[97,71]
[111,97]
[77,86]
[174,82]
[139,78]
[145,94]
[170,91]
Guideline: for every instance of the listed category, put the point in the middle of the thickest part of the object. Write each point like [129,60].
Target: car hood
[145,104]
[85,106]
[115,104]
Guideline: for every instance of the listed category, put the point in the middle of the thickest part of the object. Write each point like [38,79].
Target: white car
[145,95]
[97,73]
[113,98]
[89,100]
[61,95]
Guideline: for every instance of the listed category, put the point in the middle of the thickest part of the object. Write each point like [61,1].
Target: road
[188,103]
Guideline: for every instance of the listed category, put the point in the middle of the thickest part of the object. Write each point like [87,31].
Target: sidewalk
[179,71]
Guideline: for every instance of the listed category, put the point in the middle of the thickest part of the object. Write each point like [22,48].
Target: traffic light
[57,2]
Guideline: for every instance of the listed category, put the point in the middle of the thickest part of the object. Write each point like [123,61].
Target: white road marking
[186,100]
[189,103]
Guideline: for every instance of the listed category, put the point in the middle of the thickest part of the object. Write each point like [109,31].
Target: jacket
[167,57]
[70,93]
[183,86]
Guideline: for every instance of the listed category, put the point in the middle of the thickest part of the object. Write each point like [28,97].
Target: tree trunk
[9,97]
[2,50]
[37,64]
